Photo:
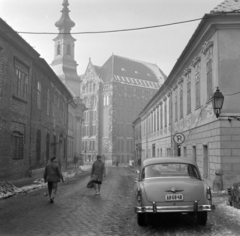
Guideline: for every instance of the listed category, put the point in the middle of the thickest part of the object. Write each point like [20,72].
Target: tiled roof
[126,67]
[227,6]
[136,82]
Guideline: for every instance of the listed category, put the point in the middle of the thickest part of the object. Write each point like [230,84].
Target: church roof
[127,67]
[227,6]
[132,72]
[65,24]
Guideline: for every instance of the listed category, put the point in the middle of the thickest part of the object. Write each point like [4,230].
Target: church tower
[64,64]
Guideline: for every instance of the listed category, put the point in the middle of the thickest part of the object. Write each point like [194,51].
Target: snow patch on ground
[7,189]
[232,212]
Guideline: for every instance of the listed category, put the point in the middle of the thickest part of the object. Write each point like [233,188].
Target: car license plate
[174,197]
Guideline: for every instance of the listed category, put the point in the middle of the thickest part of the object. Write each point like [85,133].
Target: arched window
[68,49]
[58,49]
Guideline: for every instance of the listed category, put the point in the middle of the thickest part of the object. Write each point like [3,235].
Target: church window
[68,49]
[58,49]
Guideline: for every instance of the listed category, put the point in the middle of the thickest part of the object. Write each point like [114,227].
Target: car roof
[161,160]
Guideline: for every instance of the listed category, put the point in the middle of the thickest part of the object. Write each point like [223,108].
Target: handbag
[90,183]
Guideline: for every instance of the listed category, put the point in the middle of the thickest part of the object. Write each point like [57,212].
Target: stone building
[33,108]
[179,120]
[114,94]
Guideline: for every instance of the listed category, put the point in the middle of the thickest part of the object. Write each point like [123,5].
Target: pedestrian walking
[98,173]
[52,176]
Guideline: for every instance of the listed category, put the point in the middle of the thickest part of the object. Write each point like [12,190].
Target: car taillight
[209,194]
[139,197]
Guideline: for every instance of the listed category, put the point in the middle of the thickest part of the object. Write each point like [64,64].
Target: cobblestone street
[77,211]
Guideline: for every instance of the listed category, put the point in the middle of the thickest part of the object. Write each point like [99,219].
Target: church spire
[64,64]
[65,23]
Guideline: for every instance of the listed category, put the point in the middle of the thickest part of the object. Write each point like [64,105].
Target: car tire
[202,218]
[141,219]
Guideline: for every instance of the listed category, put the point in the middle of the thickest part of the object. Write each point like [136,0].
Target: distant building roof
[133,72]
[227,6]
[127,67]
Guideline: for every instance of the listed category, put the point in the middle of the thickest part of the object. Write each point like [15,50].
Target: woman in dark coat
[52,175]
[97,173]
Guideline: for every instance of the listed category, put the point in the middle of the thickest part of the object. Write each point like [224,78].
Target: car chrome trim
[174,190]
[190,208]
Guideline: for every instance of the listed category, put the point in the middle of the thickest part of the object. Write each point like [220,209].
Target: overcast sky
[161,46]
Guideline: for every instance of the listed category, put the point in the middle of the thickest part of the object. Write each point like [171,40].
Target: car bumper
[156,209]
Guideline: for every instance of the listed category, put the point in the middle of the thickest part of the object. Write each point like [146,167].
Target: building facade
[33,108]
[114,94]
[179,120]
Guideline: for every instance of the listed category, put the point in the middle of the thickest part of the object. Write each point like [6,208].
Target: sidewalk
[15,187]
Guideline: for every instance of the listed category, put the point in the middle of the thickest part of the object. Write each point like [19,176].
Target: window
[165,114]
[154,113]
[184,151]
[153,150]
[205,162]
[58,49]
[176,108]
[181,104]
[194,153]
[170,110]
[161,117]
[21,80]
[68,49]
[38,145]
[90,146]
[197,84]
[17,145]
[209,80]
[39,95]
[188,98]
[48,102]
[158,118]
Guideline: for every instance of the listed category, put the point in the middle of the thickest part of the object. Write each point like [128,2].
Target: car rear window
[170,170]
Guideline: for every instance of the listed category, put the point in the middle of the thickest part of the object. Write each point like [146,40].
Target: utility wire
[132,29]
[231,94]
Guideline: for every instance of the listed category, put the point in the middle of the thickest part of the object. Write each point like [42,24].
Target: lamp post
[217,103]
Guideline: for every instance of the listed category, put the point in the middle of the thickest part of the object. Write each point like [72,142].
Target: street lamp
[217,103]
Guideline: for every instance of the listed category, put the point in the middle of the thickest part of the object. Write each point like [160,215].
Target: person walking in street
[52,176]
[98,173]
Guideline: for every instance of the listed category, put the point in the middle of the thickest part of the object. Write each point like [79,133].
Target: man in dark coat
[52,175]
[98,173]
